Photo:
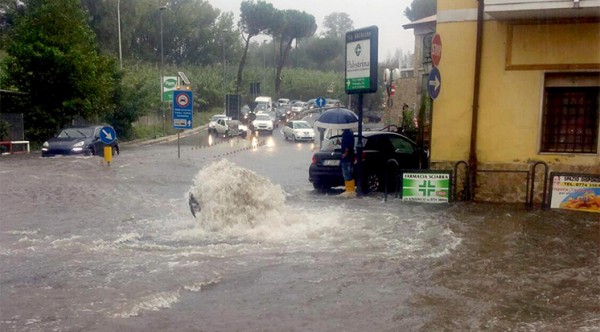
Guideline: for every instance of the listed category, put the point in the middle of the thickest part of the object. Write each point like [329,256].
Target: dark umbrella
[337,118]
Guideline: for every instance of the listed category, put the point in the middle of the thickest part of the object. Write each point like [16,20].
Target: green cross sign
[426,187]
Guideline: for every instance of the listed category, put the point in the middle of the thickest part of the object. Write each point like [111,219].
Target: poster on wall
[426,186]
[573,191]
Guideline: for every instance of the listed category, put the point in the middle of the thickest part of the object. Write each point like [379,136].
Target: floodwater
[86,246]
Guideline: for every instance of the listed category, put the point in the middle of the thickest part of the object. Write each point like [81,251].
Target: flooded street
[85,246]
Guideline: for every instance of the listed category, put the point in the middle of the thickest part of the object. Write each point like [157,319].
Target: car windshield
[301,125]
[217,117]
[263,117]
[76,133]
[334,143]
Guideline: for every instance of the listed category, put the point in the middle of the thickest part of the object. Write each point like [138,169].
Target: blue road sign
[320,102]
[434,83]
[107,135]
[182,109]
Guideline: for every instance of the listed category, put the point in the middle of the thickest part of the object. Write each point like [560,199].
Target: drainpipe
[475,113]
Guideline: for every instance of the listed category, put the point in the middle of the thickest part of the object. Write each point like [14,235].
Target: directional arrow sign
[107,135]
[434,83]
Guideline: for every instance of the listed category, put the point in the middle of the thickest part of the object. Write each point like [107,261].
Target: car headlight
[45,145]
[78,144]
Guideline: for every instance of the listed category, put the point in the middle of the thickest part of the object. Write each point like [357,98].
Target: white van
[264,103]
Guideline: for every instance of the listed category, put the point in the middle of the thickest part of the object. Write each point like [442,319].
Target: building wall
[516,56]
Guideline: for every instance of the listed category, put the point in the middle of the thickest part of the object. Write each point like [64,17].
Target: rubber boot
[349,189]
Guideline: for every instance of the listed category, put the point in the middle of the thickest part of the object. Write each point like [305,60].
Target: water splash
[230,196]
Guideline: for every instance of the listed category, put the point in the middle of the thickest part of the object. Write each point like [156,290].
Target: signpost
[436,50]
[169,85]
[361,76]
[107,136]
[182,109]
[182,112]
[320,102]
[434,83]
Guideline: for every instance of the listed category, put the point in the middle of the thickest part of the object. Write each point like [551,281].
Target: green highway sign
[426,187]
[169,84]
[361,60]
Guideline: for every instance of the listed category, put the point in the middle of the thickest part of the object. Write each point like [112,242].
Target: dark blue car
[78,141]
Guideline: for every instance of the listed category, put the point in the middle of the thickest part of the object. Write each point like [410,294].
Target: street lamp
[119,27]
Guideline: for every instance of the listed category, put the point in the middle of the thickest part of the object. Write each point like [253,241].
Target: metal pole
[359,147]
[119,26]
[164,117]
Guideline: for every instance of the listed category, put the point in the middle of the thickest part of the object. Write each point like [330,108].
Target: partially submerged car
[379,147]
[78,141]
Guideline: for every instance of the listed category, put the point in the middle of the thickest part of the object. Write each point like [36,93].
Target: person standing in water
[347,162]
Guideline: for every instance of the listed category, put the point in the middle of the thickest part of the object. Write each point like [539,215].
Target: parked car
[298,131]
[263,122]
[78,141]
[378,147]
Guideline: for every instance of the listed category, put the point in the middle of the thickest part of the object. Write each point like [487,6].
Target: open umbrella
[337,118]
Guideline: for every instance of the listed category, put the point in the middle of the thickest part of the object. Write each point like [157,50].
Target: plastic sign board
[426,186]
[169,84]
[361,60]
[182,109]
[434,83]
[107,135]
[574,191]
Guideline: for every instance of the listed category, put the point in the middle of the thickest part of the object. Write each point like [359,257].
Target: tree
[290,25]
[337,24]
[419,9]
[52,57]
[255,19]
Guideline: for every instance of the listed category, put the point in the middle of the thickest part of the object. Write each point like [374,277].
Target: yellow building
[533,91]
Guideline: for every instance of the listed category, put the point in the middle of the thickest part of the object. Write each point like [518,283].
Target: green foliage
[295,25]
[337,24]
[4,127]
[419,9]
[52,57]
[255,18]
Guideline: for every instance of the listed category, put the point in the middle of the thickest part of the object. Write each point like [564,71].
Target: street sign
[436,50]
[169,84]
[320,102]
[361,60]
[434,83]
[107,135]
[426,186]
[182,109]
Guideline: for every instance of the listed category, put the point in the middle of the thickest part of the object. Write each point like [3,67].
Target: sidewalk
[145,141]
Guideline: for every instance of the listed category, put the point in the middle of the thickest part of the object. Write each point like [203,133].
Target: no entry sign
[436,49]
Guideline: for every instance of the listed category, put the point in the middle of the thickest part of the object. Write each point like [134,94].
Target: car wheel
[92,152]
[226,133]
[371,183]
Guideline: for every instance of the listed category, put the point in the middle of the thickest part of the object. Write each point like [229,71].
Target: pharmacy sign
[426,186]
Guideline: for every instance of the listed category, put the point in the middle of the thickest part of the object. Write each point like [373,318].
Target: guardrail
[9,147]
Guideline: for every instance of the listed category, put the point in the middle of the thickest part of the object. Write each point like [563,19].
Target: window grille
[571,114]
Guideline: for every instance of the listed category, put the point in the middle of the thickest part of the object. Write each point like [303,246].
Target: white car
[263,122]
[213,122]
[299,131]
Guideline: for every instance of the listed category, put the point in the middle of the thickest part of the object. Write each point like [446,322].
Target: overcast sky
[387,15]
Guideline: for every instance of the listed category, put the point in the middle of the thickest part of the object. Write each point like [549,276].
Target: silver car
[298,131]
